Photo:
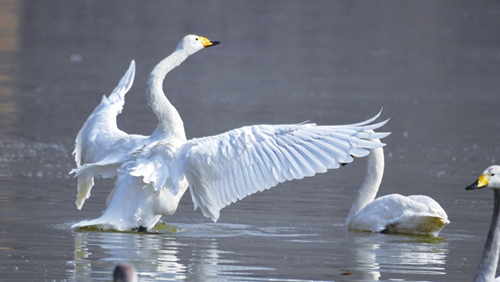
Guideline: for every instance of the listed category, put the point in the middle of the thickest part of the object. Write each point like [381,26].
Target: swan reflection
[377,254]
[155,256]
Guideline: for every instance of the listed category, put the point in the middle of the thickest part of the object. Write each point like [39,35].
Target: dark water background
[433,66]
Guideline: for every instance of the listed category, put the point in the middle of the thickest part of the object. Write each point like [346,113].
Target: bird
[106,147]
[124,272]
[394,213]
[489,260]
[222,169]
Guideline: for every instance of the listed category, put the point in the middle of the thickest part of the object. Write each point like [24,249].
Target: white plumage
[222,169]
[101,143]
[154,172]
[393,213]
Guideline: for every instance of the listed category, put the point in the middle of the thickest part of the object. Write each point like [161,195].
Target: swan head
[489,178]
[194,43]
[124,272]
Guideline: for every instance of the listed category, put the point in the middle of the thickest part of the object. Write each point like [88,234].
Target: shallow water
[433,67]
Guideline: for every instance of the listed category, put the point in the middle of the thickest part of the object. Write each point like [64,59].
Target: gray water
[433,66]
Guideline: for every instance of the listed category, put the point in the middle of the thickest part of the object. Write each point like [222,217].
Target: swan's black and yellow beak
[480,183]
[207,43]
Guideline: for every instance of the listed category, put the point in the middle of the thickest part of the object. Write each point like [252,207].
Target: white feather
[154,172]
[100,143]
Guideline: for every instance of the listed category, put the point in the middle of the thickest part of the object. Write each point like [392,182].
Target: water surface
[433,67]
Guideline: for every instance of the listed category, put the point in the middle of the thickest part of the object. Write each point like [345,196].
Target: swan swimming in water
[489,260]
[101,143]
[392,213]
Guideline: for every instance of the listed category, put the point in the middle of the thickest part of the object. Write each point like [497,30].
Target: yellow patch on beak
[205,42]
[483,180]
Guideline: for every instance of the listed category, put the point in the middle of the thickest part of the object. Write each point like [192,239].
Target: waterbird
[106,147]
[124,272]
[394,213]
[489,260]
[221,169]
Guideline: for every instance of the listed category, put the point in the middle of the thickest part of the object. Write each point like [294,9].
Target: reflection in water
[153,255]
[367,259]
[157,256]
[195,254]
[349,60]
[408,255]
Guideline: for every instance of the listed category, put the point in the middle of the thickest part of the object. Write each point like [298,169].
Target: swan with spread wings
[222,169]
[101,143]
[154,172]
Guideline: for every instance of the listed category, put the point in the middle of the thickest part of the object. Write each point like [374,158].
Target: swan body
[221,169]
[100,143]
[393,213]
[489,260]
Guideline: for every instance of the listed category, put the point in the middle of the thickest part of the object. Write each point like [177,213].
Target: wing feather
[263,157]
[278,169]
[228,167]
[99,132]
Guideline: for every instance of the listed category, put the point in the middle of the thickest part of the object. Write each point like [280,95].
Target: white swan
[489,260]
[392,213]
[101,143]
[222,169]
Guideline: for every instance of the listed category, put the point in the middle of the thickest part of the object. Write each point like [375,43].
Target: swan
[489,260]
[392,213]
[221,169]
[124,272]
[101,143]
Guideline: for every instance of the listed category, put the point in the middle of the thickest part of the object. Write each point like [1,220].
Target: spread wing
[100,131]
[228,167]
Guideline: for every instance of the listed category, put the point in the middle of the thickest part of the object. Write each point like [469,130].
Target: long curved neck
[489,260]
[371,183]
[169,121]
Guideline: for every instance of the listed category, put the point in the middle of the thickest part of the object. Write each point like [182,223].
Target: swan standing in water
[489,260]
[101,143]
[222,169]
[393,213]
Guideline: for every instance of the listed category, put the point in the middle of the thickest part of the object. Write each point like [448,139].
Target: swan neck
[489,260]
[369,188]
[169,121]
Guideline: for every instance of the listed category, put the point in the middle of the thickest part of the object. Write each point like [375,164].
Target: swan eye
[196,38]
[492,174]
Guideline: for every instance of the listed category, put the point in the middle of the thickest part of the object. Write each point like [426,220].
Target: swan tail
[422,225]
[95,224]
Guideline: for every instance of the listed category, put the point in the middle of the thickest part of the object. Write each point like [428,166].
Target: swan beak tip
[480,183]
[207,43]
[213,43]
